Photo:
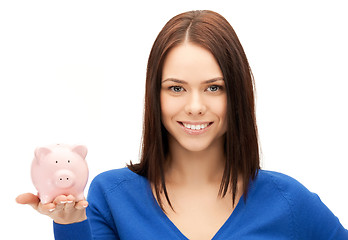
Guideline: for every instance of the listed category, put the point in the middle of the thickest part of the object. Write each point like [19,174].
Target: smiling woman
[194,48]
[199,176]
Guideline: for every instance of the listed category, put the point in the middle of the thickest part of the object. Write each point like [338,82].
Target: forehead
[190,62]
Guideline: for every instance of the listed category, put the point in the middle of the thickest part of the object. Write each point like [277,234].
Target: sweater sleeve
[98,211]
[312,219]
[316,219]
[73,231]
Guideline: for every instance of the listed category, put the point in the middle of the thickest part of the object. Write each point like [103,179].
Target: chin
[197,146]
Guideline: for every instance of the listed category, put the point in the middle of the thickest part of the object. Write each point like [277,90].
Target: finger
[46,208]
[28,198]
[81,204]
[60,201]
[70,203]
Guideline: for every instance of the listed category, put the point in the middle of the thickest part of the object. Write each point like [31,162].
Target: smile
[195,128]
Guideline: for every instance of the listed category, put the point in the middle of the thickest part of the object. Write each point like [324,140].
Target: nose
[195,104]
[64,179]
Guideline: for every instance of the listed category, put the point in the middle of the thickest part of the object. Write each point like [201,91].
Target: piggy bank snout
[64,178]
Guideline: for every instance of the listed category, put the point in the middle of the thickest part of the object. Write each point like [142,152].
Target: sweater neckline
[218,235]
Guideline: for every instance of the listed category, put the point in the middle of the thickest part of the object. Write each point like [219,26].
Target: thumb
[28,198]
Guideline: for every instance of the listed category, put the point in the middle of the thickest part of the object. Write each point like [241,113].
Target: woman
[199,174]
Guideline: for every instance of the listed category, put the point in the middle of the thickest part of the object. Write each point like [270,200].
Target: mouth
[195,128]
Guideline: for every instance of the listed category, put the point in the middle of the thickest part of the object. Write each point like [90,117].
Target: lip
[194,123]
[195,132]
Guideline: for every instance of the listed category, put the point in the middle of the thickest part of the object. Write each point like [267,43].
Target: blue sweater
[122,206]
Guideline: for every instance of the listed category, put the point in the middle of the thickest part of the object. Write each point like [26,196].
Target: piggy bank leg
[79,197]
[44,198]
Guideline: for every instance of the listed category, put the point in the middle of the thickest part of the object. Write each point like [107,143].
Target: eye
[214,88]
[68,161]
[56,161]
[176,89]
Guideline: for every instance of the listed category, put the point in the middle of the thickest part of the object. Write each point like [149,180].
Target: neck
[195,168]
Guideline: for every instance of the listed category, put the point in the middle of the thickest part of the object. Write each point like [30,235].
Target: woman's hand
[63,210]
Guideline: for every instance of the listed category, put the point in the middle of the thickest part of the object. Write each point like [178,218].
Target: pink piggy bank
[59,169]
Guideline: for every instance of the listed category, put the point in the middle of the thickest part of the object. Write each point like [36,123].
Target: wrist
[68,221]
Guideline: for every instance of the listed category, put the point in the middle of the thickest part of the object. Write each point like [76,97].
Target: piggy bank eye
[56,161]
[68,161]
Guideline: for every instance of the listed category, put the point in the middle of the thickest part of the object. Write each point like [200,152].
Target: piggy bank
[59,169]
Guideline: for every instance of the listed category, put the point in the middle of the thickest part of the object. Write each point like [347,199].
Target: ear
[41,152]
[80,150]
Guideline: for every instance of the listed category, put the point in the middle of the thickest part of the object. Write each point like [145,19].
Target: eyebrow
[183,82]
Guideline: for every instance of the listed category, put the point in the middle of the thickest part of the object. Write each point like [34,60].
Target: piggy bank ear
[41,152]
[80,150]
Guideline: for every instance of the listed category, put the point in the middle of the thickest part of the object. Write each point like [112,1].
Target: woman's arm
[69,216]
[316,221]
[74,231]
[63,209]
[74,220]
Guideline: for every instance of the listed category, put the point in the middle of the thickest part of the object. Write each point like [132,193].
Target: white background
[74,72]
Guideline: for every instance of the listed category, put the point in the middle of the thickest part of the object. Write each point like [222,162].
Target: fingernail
[69,201]
[62,202]
[85,205]
[51,210]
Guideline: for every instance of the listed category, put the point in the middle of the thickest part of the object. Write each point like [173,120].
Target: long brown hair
[213,32]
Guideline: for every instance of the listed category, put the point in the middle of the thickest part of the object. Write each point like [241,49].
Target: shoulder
[277,177]
[288,189]
[112,179]
[279,189]
[283,183]
[117,175]
[110,194]
[311,218]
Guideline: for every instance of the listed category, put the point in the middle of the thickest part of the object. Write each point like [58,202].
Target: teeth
[195,127]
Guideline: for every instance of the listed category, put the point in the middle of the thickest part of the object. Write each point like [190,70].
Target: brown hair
[211,31]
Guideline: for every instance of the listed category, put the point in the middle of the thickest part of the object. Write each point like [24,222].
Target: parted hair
[211,31]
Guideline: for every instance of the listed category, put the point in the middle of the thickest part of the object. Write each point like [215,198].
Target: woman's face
[193,97]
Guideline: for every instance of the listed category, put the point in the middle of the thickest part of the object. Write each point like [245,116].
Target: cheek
[170,107]
[223,112]
[166,110]
[219,107]
[220,111]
